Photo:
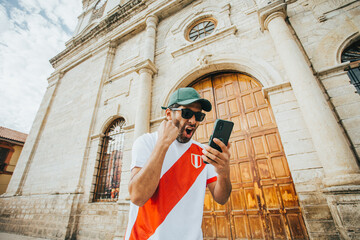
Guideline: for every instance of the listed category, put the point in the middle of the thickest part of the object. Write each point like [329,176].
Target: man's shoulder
[146,138]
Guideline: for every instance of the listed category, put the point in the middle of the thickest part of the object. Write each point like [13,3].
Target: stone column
[146,70]
[142,118]
[337,159]
[149,51]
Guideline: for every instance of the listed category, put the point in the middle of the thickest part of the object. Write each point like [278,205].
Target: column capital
[147,66]
[152,21]
[268,10]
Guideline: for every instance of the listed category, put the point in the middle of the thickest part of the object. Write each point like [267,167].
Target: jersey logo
[196,160]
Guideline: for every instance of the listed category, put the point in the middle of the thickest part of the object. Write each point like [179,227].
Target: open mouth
[189,131]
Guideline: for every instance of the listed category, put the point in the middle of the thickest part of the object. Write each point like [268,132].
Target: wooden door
[263,202]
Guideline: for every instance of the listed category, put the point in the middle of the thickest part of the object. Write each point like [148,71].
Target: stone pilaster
[150,37]
[142,120]
[22,169]
[337,159]
[146,69]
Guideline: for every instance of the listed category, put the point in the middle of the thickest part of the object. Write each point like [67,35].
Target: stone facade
[127,61]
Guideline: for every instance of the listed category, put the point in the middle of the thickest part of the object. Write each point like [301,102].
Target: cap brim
[205,104]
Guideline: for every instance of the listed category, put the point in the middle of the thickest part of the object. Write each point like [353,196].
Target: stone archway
[263,204]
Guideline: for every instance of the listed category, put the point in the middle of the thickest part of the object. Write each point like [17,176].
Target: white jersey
[175,210]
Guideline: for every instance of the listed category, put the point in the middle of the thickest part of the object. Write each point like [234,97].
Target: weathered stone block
[324,236]
[321,226]
[317,212]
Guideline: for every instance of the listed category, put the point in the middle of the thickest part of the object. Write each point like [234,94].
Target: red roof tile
[12,134]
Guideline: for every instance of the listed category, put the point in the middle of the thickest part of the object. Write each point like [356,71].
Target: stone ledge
[212,38]
[333,69]
[276,88]
[348,189]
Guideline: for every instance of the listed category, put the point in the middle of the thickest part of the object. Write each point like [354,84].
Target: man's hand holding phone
[217,153]
[220,160]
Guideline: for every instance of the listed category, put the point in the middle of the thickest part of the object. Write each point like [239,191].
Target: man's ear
[168,114]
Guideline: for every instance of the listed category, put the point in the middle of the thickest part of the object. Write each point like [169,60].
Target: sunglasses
[187,114]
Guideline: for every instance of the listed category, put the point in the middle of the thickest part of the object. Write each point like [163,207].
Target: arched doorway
[263,203]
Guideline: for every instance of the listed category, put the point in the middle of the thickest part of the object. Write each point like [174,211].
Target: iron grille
[354,75]
[109,166]
[352,54]
[201,30]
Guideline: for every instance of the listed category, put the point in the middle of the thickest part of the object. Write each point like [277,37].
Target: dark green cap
[186,96]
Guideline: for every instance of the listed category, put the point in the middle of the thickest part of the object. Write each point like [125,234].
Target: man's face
[186,127]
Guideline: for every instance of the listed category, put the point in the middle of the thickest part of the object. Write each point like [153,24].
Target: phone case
[222,130]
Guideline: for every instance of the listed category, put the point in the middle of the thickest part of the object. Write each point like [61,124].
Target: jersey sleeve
[211,174]
[141,150]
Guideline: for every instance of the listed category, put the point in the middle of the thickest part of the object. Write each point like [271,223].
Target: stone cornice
[271,9]
[114,20]
[276,88]
[333,69]
[133,21]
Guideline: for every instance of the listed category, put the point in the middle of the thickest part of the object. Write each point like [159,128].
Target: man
[169,177]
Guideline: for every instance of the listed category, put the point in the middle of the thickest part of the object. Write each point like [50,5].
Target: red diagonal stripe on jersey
[173,185]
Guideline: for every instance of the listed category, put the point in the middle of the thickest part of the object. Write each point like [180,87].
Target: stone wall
[95,221]
[45,216]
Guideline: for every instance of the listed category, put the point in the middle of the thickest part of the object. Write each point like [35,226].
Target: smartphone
[222,131]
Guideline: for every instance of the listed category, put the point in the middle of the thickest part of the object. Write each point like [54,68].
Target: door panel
[263,203]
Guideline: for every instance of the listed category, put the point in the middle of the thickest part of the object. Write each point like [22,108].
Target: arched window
[352,54]
[201,29]
[110,161]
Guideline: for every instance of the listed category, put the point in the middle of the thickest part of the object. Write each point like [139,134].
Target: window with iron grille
[352,54]
[109,165]
[201,29]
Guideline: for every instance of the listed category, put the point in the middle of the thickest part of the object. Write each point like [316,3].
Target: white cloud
[4,23]
[31,33]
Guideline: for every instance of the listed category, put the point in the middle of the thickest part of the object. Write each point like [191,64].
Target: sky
[31,33]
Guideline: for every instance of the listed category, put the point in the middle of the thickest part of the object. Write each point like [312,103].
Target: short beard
[180,138]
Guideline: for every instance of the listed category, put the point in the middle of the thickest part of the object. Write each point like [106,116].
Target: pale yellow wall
[5,178]
[4,181]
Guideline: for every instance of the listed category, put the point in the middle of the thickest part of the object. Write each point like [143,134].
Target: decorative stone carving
[204,58]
